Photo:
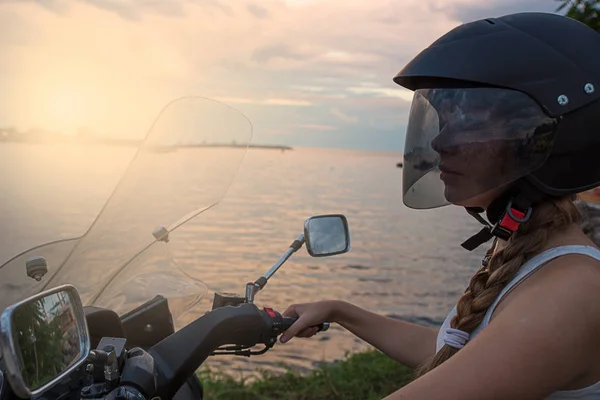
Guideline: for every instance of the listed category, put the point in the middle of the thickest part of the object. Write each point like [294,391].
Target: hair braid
[487,283]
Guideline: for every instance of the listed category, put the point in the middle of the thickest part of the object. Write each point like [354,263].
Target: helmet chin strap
[505,213]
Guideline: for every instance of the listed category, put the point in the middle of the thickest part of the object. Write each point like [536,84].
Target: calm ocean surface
[403,263]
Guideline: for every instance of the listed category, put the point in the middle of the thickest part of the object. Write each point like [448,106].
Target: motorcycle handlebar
[282,324]
[179,355]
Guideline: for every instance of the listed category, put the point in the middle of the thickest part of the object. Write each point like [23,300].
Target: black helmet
[519,96]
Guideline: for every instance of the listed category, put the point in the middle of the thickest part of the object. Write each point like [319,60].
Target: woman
[503,121]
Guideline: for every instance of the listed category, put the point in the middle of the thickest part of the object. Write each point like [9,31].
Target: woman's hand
[310,316]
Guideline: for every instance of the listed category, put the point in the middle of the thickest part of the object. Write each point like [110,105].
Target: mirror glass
[47,337]
[326,235]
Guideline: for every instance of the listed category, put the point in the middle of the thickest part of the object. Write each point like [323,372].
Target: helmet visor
[461,143]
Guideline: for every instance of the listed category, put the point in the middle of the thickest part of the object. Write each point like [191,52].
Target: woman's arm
[544,338]
[409,344]
[405,342]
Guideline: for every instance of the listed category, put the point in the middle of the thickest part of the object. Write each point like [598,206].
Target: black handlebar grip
[278,324]
[288,321]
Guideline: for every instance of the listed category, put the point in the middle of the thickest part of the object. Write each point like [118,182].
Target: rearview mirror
[43,338]
[326,235]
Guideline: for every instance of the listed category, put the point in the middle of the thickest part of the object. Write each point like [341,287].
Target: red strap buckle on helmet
[510,222]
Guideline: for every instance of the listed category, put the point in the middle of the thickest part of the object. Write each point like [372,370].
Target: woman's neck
[573,235]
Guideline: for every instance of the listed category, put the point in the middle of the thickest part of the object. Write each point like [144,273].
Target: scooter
[53,347]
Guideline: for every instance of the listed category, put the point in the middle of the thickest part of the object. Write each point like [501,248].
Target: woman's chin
[463,203]
[456,196]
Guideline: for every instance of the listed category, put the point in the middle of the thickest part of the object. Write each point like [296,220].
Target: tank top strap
[534,264]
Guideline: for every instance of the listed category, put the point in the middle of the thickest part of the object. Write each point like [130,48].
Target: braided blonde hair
[530,239]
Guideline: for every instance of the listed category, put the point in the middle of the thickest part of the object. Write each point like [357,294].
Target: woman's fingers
[291,311]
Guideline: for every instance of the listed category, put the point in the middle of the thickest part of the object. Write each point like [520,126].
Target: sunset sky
[306,72]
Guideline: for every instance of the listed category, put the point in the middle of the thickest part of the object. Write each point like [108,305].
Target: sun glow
[77,104]
[67,110]
[64,103]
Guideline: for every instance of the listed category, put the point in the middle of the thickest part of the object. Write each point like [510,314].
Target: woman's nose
[442,142]
[436,144]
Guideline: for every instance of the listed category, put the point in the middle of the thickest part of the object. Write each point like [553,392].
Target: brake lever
[240,351]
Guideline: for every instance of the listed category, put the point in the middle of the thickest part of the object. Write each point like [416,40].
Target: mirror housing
[327,235]
[43,338]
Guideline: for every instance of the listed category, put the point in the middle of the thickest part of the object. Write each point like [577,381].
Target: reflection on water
[403,263]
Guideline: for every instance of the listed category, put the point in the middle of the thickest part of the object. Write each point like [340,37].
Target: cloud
[342,116]
[267,102]
[270,52]
[122,9]
[288,64]
[57,6]
[465,11]
[257,10]
[400,93]
[134,10]
[316,127]
[16,30]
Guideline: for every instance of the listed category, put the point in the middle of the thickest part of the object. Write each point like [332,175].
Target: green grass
[367,376]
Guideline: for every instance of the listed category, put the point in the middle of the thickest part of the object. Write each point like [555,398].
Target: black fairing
[102,323]
[154,314]
[543,55]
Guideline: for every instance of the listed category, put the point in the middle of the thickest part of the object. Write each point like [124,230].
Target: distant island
[167,148]
[39,136]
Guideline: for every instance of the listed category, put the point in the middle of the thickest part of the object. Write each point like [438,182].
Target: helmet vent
[490,21]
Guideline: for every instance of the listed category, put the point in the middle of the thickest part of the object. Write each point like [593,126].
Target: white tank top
[587,393]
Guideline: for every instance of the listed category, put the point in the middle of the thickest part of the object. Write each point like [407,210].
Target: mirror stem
[294,247]
[254,287]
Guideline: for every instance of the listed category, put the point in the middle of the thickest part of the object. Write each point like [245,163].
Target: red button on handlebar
[270,312]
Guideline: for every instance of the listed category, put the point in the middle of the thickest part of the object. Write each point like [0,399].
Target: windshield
[182,168]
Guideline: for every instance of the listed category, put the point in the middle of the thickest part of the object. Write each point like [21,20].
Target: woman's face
[480,140]
[473,172]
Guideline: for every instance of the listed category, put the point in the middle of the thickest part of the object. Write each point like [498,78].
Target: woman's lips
[448,175]
[448,171]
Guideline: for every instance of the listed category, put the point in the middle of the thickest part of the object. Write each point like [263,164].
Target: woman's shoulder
[575,274]
[571,272]
[567,281]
